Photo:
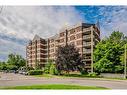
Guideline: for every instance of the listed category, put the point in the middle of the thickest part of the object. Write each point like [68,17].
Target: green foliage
[107,54]
[29,68]
[3,66]
[16,60]
[55,87]
[122,57]
[35,72]
[37,65]
[53,70]
[47,66]
[93,74]
[68,59]
[103,65]
[83,72]
[11,67]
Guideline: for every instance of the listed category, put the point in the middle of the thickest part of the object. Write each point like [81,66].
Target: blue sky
[18,25]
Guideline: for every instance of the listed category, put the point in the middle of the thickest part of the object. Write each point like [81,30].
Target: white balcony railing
[86,37]
[86,29]
[86,43]
[87,50]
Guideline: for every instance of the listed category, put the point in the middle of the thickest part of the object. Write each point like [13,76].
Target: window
[79,35]
[72,31]
[62,34]
[72,38]
[72,43]
[79,42]
[61,40]
[52,50]
[52,45]
[52,40]
[78,29]
[80,49]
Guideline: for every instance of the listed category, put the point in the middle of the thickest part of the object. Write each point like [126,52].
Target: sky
[19,24]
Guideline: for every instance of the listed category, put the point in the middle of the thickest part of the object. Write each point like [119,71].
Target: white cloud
[22,23]
[7,47]
[114,19]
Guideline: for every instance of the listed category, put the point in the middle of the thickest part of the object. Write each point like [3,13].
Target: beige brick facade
[84,36]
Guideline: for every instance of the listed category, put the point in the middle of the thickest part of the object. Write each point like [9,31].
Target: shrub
[35,72]
[29,68]
[83,72]
[93,74]
[47,67]
[53,70]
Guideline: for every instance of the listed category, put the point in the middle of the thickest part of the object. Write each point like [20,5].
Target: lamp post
[125,62]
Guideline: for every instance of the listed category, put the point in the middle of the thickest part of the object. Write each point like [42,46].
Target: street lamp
[125,62]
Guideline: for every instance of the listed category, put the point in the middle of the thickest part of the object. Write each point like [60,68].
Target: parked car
[23,72]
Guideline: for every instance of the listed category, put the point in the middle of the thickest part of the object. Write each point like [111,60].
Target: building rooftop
[36,37]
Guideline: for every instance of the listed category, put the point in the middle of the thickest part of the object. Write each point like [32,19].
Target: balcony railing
[87,44]
[86,37]
[86,29]
[89,57]
[87,50]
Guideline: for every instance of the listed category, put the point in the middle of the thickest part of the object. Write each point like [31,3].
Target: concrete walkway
[10,79]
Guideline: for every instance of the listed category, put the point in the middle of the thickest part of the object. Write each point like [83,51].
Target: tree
[37,65]
[11,67]
[53,70]
[16,60]
[47,66]
[3,66]
[107,53]
[68,59]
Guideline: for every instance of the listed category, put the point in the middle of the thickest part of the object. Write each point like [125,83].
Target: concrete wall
[110,75]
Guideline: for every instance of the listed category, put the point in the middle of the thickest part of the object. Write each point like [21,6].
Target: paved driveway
[10,79]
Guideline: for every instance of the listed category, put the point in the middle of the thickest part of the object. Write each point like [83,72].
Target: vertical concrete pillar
[92,43]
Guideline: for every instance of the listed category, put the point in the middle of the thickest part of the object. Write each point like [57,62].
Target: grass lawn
[65,76]
[45,75]
[57,86]
[74,75]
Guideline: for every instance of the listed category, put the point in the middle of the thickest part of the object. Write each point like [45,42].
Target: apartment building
[36,52]
[83,36]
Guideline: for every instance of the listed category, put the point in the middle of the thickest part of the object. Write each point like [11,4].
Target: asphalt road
[10,79]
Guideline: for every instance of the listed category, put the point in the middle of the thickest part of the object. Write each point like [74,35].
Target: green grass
[56,86]
[65,76]
[79,76]
[45,75]
[75,76]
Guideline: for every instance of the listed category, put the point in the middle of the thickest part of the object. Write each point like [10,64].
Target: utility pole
[125,62]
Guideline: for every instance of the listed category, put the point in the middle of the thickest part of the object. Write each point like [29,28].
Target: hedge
[35,72]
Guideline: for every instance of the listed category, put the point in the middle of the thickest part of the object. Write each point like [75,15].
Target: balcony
[86,44]
[88,66]
[86,51]
[86,29]
[87,58]
[87,37]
